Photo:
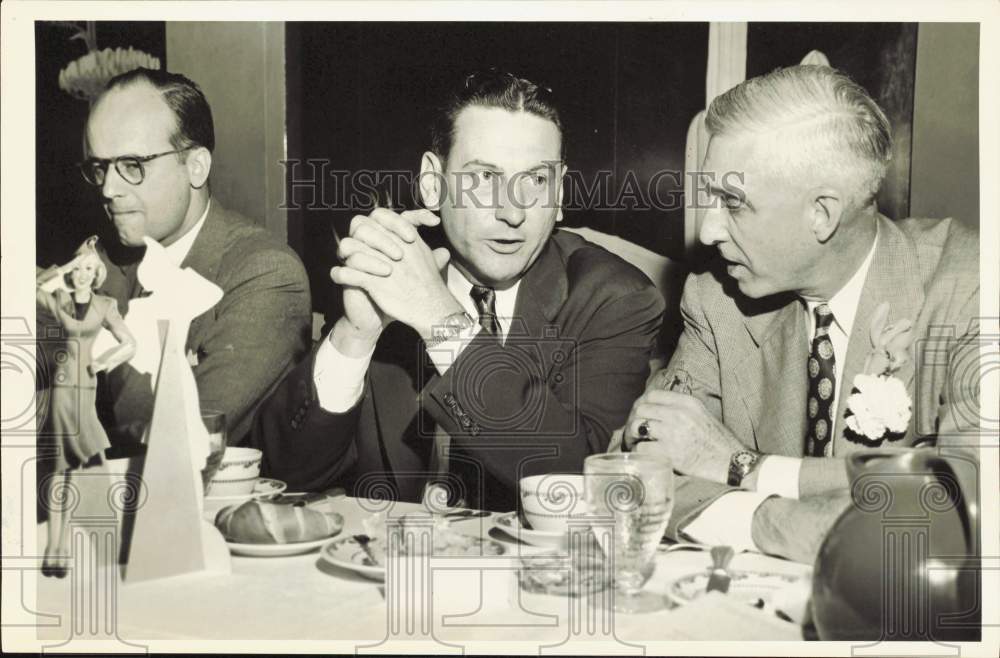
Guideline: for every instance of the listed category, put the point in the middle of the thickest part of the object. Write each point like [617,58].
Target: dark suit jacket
[244,344]
[576,357]
[748,357]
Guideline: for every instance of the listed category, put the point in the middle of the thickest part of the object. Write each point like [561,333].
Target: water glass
[215,423]
[630,497]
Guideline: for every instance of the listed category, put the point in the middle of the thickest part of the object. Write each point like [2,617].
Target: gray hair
[832,120]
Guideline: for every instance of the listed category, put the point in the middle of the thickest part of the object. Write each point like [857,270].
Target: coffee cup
[548,502]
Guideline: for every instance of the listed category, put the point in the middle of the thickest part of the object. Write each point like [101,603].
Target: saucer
[347,553]
[511,524]
[748,586]
[261,488]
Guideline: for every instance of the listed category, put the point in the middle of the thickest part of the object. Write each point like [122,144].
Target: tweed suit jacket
[576,356]
[748,357]
[243,345]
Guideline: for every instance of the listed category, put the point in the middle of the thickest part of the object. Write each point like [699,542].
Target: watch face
[745,459]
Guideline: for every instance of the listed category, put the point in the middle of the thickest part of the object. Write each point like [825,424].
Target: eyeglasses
[129,167]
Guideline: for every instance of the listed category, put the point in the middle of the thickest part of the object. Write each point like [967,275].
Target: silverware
[364,542]
[466,514]
[719,579]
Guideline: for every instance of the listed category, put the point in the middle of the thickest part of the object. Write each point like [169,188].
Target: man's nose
[510,209]
[713,225]
[114,184]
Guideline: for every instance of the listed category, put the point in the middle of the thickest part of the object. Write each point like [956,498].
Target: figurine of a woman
[67,292]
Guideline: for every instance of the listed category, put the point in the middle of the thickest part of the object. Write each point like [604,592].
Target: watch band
[449,327]
[741,464]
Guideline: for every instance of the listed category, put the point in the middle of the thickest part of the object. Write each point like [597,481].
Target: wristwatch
[741,464]
[451,326]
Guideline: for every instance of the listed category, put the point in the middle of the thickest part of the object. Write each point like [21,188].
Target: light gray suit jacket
[748,357]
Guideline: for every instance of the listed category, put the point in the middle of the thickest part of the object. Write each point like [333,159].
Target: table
[303,598]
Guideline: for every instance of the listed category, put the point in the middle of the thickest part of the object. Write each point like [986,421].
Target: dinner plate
[277,550]
[749,586]
[511,524]
[347,553]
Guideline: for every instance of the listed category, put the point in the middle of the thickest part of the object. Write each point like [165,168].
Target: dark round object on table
[902,563]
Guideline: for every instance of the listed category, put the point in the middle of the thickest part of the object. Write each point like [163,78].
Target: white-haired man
[812,287]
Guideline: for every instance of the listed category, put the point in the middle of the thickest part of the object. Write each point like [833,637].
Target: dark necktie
[459,468]
[485,300]
[822,384]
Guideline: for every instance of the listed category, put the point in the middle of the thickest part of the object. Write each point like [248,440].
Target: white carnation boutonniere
[879,407]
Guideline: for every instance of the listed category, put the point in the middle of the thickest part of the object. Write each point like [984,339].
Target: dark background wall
[360,97]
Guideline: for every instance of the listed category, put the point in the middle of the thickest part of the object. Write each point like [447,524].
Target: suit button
[295,423]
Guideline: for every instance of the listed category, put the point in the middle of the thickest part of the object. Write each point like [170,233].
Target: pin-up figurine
[67,292]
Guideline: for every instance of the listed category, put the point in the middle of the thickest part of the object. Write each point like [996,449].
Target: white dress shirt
[340,379]
[179,249]
[729,519]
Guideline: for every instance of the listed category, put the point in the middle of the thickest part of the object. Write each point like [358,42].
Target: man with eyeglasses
[518,358]
[149,143]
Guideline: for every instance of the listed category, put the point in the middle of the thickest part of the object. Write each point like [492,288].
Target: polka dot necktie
[485,299]
[822,384]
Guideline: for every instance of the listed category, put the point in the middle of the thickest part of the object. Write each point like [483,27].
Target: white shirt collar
[178,250]
[844,304]
[461,288]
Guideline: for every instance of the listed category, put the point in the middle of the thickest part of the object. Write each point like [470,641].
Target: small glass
[215,423]
[630,497]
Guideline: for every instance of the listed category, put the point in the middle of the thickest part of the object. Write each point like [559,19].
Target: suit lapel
[771,378]
[894,277]
[203,258]
[542,293]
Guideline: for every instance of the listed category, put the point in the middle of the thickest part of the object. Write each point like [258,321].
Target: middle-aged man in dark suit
[520,359]
[149,143]
[812,288]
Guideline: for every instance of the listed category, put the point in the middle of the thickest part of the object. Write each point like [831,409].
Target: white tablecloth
[303,598]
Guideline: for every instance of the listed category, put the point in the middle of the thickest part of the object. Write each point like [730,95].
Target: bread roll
[263,522]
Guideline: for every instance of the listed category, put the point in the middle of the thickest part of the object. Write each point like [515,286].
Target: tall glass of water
[630,497]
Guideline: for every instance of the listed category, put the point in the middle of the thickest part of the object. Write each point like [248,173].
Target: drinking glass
[630,497]
[215,423]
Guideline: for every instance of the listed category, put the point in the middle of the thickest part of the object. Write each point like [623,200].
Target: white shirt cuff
[728,521]
[339,379]
[780,476]
[444,353]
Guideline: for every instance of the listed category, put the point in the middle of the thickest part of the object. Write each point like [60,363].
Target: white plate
[345,552]
[511,524]
[748,586]
[277,550]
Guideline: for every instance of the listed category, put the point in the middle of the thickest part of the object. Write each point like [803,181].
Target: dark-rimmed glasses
[129,167]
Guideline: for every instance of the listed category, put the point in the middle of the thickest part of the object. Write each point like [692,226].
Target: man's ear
[561,182]
[199,165]
[433,186]
[826,211]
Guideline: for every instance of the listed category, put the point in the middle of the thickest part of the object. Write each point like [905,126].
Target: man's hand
[696,442]
[357,332]
[386,258]
[795,529]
